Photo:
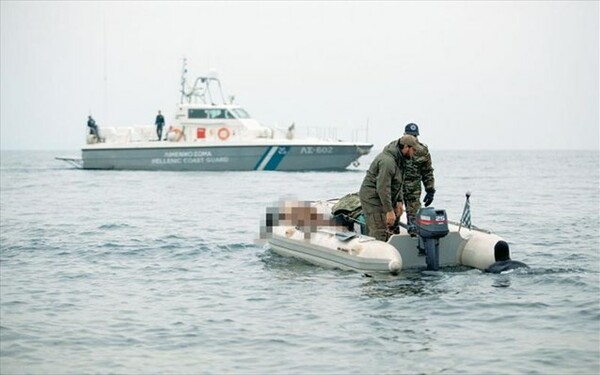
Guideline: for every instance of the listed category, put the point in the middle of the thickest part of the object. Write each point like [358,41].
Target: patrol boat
[312,231]
[209,133]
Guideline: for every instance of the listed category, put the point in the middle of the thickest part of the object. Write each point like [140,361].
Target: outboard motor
[432,225]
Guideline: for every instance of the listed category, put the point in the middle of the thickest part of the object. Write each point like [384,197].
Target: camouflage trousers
[412,202]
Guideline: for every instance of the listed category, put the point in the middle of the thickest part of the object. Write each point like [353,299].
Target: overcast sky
[473,75]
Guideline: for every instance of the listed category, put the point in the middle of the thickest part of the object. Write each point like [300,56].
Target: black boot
[411,226]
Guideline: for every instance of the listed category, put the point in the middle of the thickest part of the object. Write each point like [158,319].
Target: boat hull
[303,230]
[464,247]
[323,248]
[160,156]
[460,247]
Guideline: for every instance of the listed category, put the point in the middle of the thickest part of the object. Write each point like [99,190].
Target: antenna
[183,72]
[201,87]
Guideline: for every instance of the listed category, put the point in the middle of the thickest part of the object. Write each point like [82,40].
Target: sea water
[160,272]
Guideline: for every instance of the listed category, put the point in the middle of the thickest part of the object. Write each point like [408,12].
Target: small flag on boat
[465,219]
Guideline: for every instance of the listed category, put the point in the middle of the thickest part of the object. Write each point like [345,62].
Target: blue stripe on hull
[277,157]
[262,157]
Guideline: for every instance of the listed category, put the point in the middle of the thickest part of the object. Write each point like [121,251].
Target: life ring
[177,134]
[223,134]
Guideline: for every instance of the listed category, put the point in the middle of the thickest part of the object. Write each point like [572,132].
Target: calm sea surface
[159,272]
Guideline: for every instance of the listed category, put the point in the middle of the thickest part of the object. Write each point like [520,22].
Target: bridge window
[210,113]
[240,113]
[197,113]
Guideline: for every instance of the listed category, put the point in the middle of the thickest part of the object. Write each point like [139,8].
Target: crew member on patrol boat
[93,128]
[159,122]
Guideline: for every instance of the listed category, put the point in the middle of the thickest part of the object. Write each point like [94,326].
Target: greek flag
[465,219]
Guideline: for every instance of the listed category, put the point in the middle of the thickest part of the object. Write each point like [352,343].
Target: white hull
[335,247]
[280,155]
[361,253]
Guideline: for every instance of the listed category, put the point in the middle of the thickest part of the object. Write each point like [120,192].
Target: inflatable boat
[312,232]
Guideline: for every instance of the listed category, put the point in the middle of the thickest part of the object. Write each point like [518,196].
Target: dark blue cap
[411,129]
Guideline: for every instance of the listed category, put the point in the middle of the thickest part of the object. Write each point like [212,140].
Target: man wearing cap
[381,190]
[418,170]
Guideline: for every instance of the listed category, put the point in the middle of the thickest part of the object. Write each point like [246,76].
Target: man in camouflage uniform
[381,190]
[418,170]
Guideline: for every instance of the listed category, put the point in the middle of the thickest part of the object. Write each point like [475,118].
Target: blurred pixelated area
[303,215]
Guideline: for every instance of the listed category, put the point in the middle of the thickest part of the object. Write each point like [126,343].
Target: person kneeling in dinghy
[381,190]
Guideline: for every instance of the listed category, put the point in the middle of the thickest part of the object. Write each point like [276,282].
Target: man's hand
[428,198]
[399,209]
[390,218]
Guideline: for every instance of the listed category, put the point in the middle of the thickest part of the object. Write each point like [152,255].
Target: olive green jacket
[382,186]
